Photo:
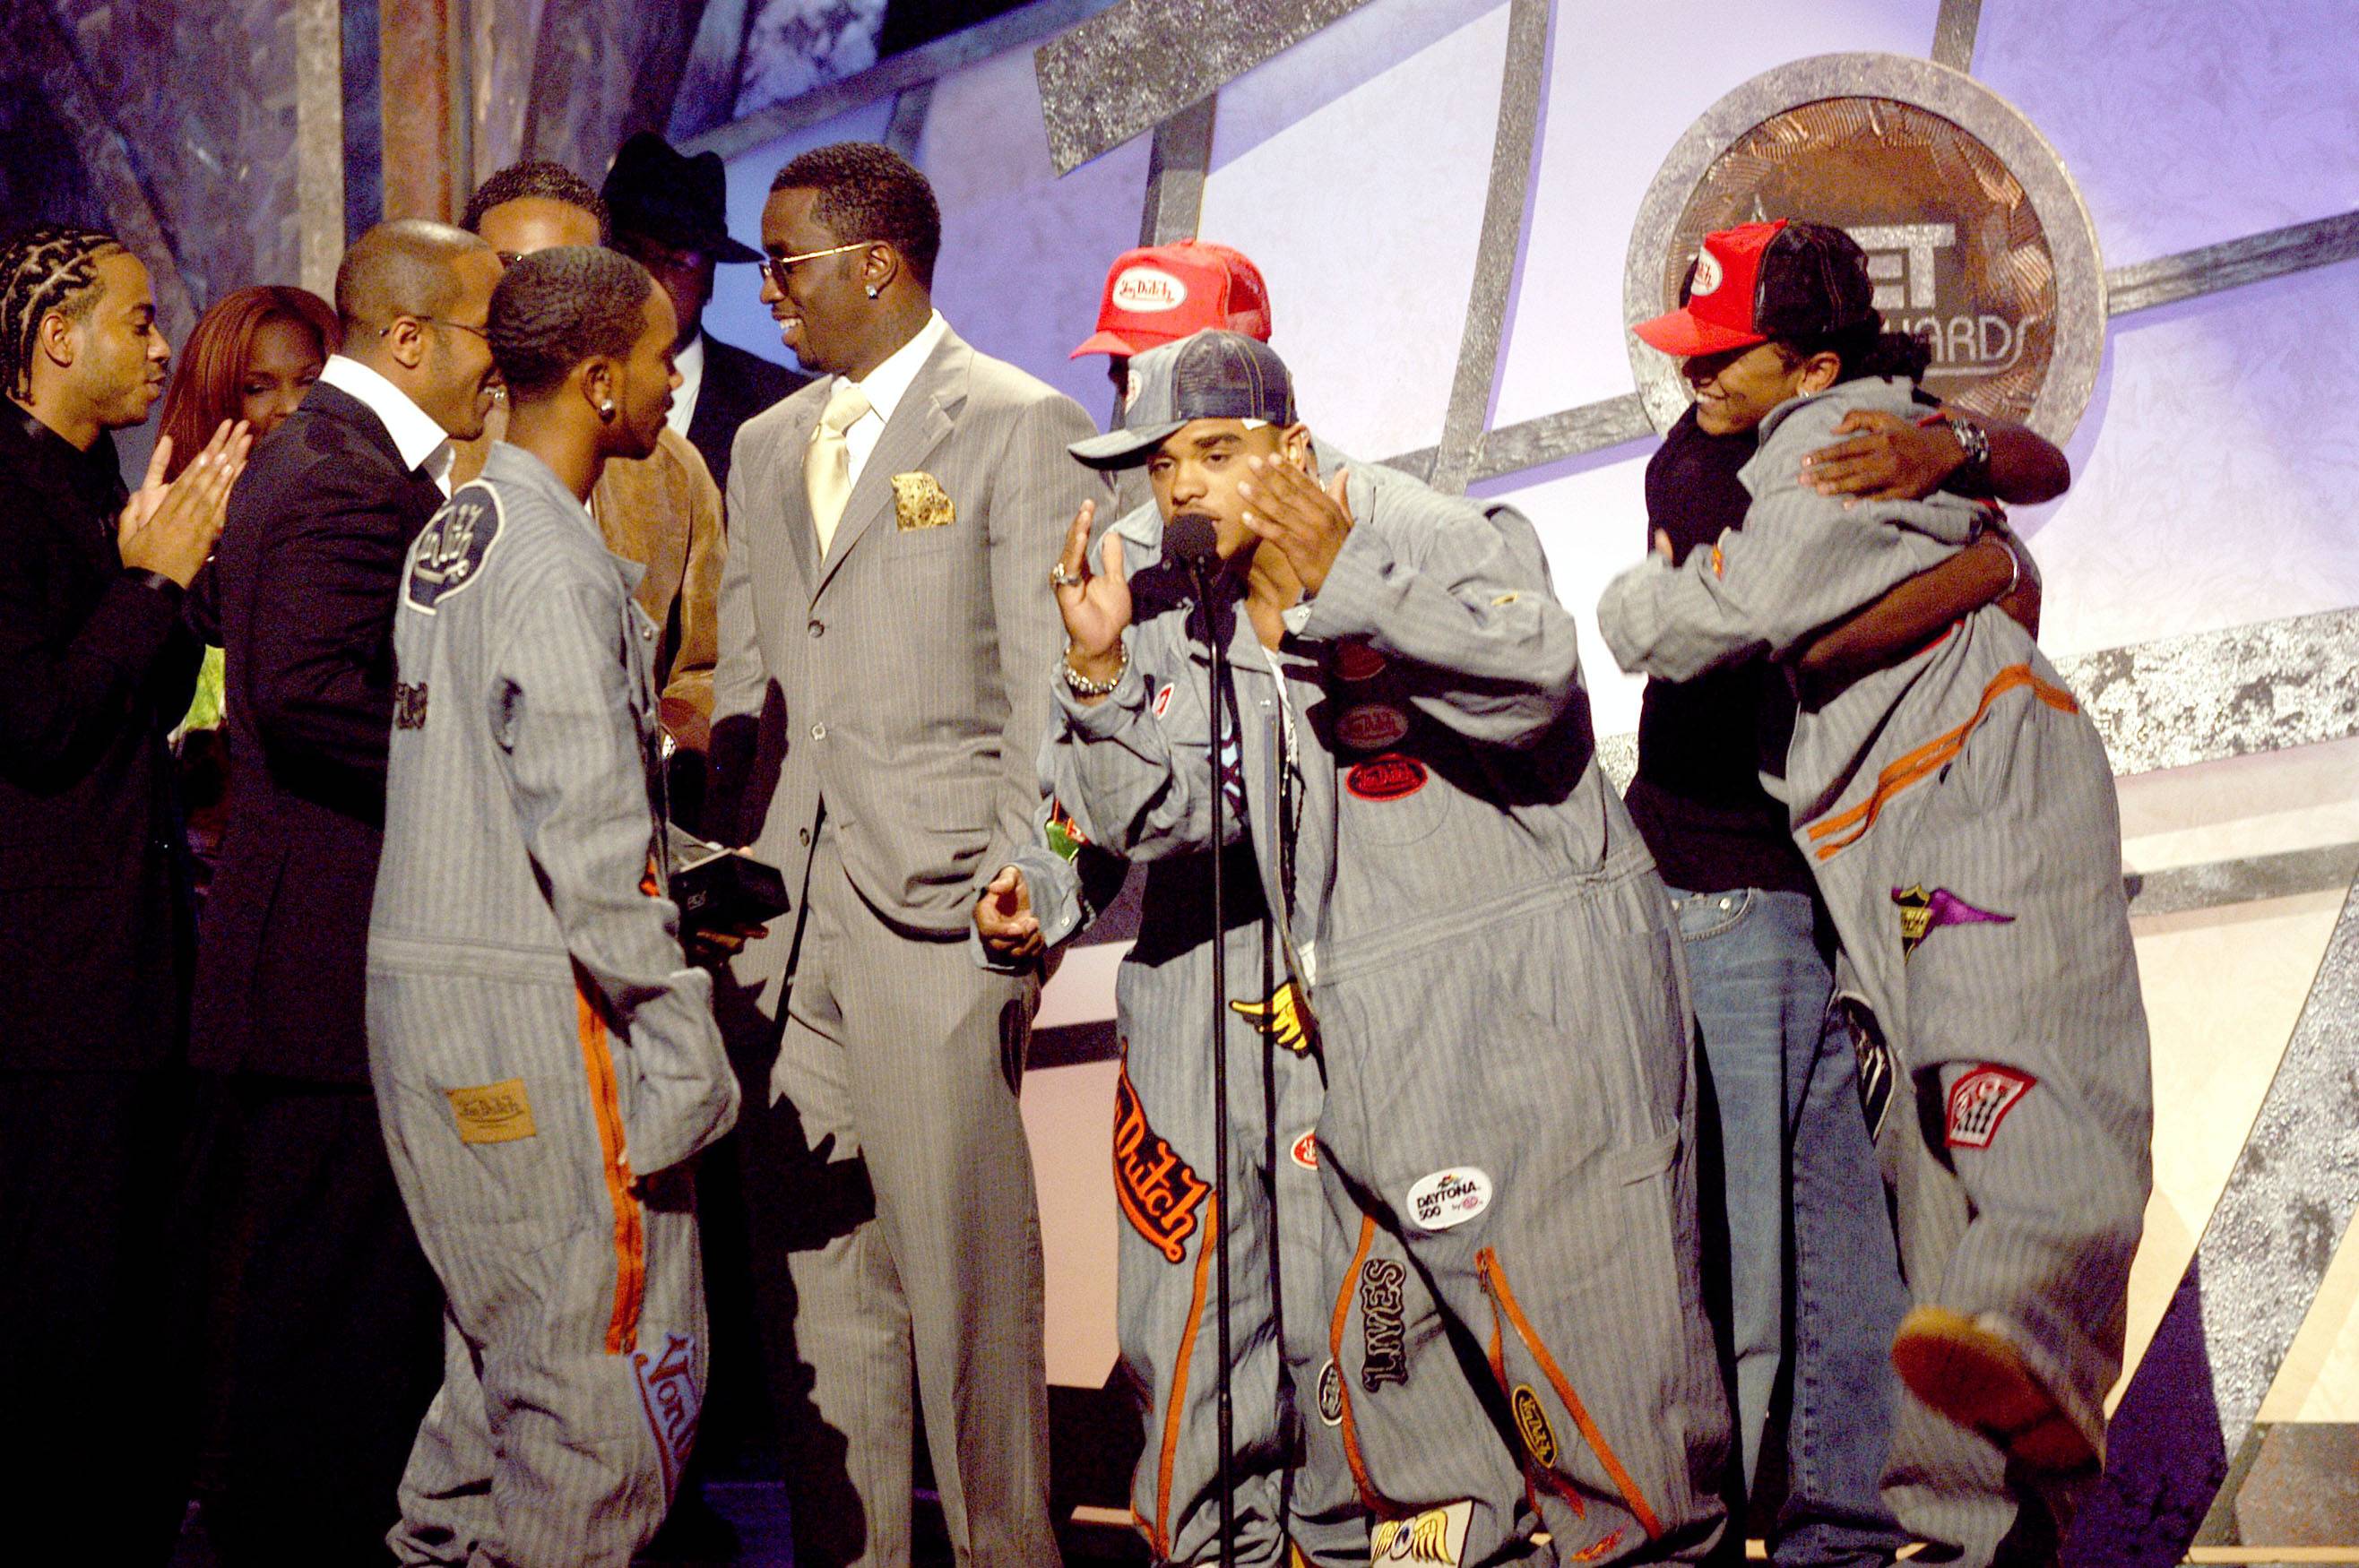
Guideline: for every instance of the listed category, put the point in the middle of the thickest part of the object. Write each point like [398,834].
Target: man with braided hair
[545,1056]
[94,668]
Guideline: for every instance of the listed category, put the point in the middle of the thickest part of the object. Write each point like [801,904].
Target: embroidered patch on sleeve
[1923,913]
[670,1399]
[1159,1194]
[493,1113]
[451,552]
[920,502]
[408,706]
[1980,1100]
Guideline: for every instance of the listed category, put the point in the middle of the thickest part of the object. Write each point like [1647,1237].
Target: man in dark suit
[95,669]
[670,216]
[328,1314]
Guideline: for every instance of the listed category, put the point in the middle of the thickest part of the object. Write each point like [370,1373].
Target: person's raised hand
[1886,458]
[1004,918]
[1287,508]
[1096,605]
[169,529]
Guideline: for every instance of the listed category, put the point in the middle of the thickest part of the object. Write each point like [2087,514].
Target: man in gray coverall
[545,1058]
[1958,812]
[1480,956]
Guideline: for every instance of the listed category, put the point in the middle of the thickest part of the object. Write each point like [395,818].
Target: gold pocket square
[919,502]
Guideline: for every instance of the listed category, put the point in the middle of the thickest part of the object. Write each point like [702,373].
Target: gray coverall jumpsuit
[1960,816]
[1485,960]
[544,1059]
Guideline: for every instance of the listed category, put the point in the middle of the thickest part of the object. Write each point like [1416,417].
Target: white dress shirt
[885,386]
[690,363]
[420,442]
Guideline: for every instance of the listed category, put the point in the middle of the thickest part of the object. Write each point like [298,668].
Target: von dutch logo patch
[1980,1100]
[1148,291]
[1532,1426]
[451,552]
[671,1402]
[1160,1195]
[1389,777]
[493,1113]
[1371,727]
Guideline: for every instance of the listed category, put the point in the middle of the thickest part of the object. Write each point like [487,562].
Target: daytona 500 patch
[1389,777]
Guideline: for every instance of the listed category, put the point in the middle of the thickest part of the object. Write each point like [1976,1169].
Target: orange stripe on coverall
[1930,758]
[1495,1280]
[630,1236]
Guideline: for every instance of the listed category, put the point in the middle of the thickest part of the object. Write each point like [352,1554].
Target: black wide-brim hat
[661,194]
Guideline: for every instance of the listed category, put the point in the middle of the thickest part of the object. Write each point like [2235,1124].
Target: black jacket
[303,585]
[95,669]
[737,385]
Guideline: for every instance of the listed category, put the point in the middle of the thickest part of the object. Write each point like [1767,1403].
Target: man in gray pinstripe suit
[885,627]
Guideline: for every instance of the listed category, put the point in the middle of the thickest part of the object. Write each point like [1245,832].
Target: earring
[606,409]
[872,291]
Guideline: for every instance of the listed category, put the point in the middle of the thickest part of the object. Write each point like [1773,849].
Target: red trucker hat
[1721,293]
[1160,294]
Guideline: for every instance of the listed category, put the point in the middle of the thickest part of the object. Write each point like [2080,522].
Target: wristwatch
[1974,441]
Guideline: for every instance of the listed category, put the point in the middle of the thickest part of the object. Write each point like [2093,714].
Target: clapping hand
[169,529]
[1096,605]
[1289,509]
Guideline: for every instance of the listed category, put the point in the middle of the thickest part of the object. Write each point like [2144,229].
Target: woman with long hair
[251,357]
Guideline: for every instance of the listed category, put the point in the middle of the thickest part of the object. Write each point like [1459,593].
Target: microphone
[1189,539]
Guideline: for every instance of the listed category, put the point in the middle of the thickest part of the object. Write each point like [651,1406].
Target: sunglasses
[778,268]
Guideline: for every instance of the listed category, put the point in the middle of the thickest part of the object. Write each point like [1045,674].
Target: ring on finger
[1059,576]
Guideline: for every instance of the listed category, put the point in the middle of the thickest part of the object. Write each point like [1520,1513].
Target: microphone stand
[1198,563]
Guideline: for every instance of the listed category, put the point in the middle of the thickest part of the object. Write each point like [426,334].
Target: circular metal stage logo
[1976,237]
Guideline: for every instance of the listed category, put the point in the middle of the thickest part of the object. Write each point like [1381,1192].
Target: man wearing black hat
[671,216]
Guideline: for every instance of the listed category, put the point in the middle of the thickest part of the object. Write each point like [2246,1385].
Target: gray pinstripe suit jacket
[902,679]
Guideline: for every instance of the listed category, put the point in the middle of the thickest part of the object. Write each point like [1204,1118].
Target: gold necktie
[827,471]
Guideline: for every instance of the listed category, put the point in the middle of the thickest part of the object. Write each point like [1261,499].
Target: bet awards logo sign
[1975,237]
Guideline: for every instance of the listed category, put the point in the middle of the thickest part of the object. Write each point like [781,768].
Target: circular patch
[1331,1395]
[1371,727]
[1306,1151]
[1389,777]
[1147,291]
[1707,275]
[1449,1197]
[1357,662]
[1532,1421]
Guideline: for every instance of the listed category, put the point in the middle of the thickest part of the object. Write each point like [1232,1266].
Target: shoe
[1977,1378]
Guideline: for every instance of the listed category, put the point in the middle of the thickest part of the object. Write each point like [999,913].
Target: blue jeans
[1795,1148]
